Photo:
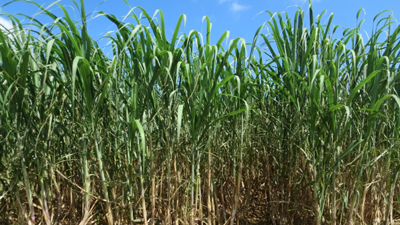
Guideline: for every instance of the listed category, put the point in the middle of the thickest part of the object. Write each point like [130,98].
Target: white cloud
[236,7]
[5,24]
[222,1]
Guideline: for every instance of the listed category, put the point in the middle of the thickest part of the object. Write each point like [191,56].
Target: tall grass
[303,127]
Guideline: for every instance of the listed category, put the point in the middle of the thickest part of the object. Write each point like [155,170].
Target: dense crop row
[302,128]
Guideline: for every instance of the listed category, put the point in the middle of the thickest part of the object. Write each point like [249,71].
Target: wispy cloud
[236,7]
[223,1]
[5,24]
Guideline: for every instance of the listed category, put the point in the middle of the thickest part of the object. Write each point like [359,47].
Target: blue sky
[242,18]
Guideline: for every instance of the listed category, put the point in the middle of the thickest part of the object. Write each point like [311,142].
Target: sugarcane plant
[297,125]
